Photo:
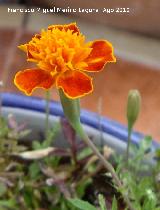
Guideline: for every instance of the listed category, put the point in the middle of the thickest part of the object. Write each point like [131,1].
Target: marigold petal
[32,51]
[29,79]
[38,36]
[101,53]
[23,47]
[74,83]
[71,26]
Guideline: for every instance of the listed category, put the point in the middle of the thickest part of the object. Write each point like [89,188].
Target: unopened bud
[133,107]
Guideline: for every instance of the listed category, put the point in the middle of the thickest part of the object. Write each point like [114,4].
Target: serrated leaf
[82,205]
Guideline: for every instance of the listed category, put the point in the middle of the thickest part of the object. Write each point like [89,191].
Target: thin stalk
[47,113]
[128,143]
[100,124]
[106,164]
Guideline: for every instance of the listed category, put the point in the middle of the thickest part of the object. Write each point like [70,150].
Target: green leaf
[114,204]
[4,127]
[84,153]
[3,189]
[82,205]
[34,170]
[158,152]
[51,135]
[28,196]
[36,145]
[81,187]
[24,133]
[145,144]
[102,202]
[9,204]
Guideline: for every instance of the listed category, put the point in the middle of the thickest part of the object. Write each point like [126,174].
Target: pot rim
[89,118]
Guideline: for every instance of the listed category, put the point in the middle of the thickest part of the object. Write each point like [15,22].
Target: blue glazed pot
[114,130]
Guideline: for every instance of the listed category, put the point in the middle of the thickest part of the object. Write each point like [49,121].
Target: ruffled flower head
[63,58]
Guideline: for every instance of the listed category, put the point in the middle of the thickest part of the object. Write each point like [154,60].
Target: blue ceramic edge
[89,118]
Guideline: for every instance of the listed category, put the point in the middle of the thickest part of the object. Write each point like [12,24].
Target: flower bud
[133,107]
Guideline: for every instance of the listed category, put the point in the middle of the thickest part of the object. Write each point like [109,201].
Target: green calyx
[71,108]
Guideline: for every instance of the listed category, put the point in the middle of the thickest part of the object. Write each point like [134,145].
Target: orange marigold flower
[62,57]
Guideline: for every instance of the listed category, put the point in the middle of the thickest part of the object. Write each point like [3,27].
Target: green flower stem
[106,164]
[128,143]
[47,113]
[71,108]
